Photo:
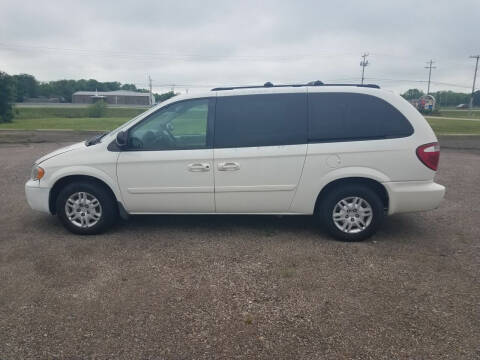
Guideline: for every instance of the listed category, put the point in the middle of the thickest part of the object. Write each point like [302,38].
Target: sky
[196,45]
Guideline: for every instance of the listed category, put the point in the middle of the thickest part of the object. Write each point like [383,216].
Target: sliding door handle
[199,167]
[228,166]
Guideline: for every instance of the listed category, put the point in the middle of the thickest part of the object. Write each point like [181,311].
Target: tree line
[26,87]
[18,88]
[445,98]
[21,87]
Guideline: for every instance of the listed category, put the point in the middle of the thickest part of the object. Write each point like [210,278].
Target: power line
[363,64]
[430,67]
[418,81]
[174,56]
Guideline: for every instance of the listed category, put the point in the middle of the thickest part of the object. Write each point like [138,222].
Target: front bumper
[37,197]
[410,196]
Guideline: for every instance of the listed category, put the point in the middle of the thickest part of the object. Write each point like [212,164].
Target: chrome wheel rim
[352,214]
[83,209]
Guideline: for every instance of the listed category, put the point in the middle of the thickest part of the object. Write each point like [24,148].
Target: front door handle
[228,166]
[199,167]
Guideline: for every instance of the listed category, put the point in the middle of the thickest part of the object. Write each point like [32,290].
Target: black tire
[109,209]
[328,203]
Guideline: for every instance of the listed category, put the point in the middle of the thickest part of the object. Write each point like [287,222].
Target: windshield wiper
[95,140]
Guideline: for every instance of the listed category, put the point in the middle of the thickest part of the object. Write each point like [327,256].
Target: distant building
[119,97]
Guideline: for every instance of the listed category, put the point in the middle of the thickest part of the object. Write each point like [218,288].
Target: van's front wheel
[86,208]
[351,212]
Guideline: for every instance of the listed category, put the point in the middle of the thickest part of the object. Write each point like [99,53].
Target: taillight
[429,155]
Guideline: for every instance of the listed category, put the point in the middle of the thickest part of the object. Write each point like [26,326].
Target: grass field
[81,123]
[449,126]
[76,119]
[57,118]
[452,113]
[69,112]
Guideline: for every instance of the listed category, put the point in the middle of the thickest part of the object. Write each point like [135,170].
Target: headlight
[37,172]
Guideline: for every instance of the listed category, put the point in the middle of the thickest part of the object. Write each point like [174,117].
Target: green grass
[68,118]
[459,114]
[69,112]
[447,126]
[82,123]
[76,119]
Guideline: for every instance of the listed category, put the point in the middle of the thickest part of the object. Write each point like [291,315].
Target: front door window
[179,126]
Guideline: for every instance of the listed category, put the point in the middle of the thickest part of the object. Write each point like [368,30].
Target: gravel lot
[203,287]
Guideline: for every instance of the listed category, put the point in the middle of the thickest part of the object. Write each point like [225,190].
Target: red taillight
[429,154]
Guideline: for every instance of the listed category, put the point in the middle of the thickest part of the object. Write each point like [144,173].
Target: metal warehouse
[119,97]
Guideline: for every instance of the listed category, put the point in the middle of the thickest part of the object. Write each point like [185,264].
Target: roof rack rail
[268,84]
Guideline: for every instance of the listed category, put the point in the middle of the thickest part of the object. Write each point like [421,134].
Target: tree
[476,98]
[97,109]
[165,96]
[7,96]
[451,98]
[130,87]
[412,94]
[26,87]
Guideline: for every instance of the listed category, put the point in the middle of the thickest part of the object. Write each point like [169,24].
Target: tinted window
[345,116]
[181,125]
[261,120]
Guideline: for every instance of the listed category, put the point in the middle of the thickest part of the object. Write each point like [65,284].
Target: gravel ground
[203,287]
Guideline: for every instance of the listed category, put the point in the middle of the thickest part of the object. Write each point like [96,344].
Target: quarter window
[348,116]
[260,120]
[181,125]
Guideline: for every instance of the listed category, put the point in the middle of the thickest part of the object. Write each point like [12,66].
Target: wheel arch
[374,185]
[64,181]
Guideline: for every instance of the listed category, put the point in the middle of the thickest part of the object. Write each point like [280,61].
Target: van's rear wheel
[351,212]
[86,208]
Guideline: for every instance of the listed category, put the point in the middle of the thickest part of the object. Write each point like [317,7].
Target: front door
[167,166]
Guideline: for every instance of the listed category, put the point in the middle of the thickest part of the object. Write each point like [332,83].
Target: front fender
[108,179]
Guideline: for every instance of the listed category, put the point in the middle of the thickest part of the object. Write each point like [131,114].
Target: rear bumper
[413,196]
[37,197]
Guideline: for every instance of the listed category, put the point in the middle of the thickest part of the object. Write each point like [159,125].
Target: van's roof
[282,89]
[268,84]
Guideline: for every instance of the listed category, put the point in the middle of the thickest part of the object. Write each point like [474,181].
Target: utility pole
[150,87]
[430,67]
[474,78]
[363,64]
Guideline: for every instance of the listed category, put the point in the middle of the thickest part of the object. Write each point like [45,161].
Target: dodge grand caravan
[347,154]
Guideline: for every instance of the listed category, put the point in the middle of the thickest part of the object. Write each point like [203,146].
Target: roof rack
[268,84]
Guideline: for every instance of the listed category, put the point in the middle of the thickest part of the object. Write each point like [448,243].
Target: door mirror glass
[122,138]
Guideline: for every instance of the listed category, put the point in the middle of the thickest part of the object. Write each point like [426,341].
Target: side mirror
[122,139]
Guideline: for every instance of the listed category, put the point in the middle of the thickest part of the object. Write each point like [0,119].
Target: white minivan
[348,154]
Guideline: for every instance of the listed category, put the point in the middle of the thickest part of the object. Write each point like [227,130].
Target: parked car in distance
[349,155]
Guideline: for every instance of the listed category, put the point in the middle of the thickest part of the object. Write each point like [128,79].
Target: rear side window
[261,120]
[347,116]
